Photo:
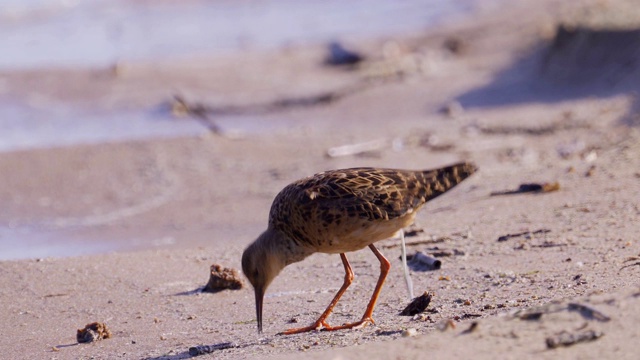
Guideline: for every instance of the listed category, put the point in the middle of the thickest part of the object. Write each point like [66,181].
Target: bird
[340,211]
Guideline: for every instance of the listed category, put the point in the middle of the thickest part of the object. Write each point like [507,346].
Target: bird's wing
[363,192]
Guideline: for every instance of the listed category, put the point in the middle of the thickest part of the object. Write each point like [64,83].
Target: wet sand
[146,218]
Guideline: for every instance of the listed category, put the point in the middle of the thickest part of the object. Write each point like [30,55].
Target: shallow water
[97,33]
[25,127]
[32,243]
[24,243]
[44,33]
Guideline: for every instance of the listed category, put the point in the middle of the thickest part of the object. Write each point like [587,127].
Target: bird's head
[261,264]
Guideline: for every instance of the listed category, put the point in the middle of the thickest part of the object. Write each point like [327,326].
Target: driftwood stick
[588,312]
[568,339]
[530,188]
[207,349]
[524,233]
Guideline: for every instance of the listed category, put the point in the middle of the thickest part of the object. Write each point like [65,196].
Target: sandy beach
[124,232]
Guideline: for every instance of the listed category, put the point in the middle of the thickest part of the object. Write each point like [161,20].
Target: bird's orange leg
[367,318]
[321,323]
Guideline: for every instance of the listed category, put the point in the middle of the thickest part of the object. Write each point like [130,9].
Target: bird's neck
[282,246]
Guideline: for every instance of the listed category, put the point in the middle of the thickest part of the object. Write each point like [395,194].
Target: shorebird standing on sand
[339,211]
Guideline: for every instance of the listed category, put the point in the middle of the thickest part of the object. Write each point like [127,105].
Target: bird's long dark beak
[259,297]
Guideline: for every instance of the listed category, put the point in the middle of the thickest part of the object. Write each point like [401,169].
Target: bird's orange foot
[323,326]
[356,325]
[319,325]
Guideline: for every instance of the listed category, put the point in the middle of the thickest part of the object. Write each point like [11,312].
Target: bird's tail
[437,181]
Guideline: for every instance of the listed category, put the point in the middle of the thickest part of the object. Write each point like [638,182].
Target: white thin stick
[407,276]
[354,149]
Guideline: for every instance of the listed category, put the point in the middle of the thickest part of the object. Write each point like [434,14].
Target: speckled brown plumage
[339,211]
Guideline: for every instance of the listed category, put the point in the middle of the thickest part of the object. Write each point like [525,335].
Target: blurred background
[105,34]
[42,33]
[130,125]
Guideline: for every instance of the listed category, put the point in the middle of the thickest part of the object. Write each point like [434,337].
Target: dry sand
[179,205]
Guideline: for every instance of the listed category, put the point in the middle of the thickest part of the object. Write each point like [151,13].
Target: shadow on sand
[577,63]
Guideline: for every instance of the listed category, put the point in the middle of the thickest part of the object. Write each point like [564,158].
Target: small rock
[409,332]
[339,55]
[453,109]
[417,305]
[472,327]
[446,325]
[455,45]
[591,156]
[222,278]
[423,262]
[421,317]
[93,332]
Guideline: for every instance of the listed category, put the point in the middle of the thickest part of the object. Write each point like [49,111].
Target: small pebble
[453,109]
[409,332]
[221,278]
[93,332]
[446,325]
[340,56]
[591,156]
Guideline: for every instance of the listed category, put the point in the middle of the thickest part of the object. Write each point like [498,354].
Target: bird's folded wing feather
[363,192]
